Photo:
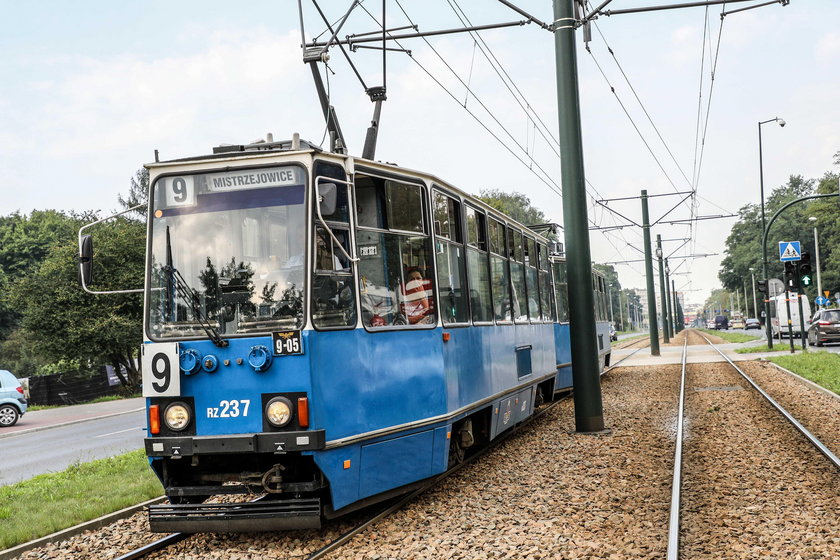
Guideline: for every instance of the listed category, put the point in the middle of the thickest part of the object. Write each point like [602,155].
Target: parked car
[825,327]
[12,401]
[752,324]
[721,322]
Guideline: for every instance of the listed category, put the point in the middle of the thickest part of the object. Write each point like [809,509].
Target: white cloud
[828,47]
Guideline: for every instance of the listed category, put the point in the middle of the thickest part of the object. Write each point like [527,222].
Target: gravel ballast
[548,492]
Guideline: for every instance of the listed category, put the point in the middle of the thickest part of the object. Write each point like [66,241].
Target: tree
[743,245]
[138,193]
[71,324]
[514,204]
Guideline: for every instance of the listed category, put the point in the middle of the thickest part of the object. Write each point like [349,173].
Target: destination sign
[253,179]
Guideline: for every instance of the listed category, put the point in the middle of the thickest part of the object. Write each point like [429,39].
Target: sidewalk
[52,417]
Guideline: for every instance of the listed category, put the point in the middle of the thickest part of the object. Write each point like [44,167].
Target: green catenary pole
[589,413]
[651,290]
[663,299]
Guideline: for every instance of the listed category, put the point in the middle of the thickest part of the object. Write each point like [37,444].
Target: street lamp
[755,301]
[764,226]
[662,297]
[817,251]
[668,305]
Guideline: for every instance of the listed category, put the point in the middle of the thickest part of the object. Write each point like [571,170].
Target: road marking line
[120,432]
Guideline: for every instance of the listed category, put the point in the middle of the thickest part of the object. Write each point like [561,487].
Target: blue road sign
[822,300]
[789,251]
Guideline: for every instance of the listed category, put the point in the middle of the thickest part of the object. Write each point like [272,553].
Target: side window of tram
[561,293]
[333,288]
[395,266]
[499,272]
[546,302]
[516,253]
[531,279]
[477,261]
[451,260]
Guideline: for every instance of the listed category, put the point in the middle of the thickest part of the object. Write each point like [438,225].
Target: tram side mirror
[86,259]
[327,194]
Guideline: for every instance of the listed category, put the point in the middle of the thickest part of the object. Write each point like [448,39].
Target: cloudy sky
[90,89]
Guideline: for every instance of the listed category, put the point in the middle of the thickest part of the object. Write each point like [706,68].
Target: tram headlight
[278,411]
[177,416]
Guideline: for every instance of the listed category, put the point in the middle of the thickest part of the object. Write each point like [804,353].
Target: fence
[71,388]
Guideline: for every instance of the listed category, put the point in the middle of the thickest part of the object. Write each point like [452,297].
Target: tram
[330,331]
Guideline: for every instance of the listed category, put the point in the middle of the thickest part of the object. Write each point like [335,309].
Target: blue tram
[330,331]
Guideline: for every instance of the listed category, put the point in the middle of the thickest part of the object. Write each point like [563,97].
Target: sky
[91,89]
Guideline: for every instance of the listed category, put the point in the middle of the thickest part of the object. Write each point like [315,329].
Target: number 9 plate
[161,370]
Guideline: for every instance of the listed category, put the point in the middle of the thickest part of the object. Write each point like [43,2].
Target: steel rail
[808,435]
[159,544]
[673,549]
[348,535]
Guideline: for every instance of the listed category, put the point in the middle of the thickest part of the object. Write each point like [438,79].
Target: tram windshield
[228,249]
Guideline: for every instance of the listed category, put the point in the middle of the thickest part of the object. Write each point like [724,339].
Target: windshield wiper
[189,295]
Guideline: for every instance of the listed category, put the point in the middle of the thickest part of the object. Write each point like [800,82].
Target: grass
[730,336]
[51,502]
[106,398]
[823,368]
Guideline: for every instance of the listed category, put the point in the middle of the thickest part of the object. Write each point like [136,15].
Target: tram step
[265,515]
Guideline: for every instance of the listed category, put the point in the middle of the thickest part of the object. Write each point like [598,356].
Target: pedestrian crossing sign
[789,251]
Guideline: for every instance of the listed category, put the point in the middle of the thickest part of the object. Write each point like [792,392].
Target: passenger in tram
[416,294]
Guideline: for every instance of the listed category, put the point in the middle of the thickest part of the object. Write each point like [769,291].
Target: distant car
[613,334]
[12,401]
[710,324]
[721,322]
[825,327]
[752,324]
[736,323]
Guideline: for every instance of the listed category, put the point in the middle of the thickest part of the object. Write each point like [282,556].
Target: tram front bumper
[266,442]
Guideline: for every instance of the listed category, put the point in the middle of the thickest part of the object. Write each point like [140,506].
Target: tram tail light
[303,412]
[154,419]
[824,323]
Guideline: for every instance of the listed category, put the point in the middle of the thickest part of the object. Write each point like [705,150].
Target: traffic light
[761,286]
[790,274]
[805,269]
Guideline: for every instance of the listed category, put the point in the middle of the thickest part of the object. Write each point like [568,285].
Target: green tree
[514,204]
[138,192]
[71,324]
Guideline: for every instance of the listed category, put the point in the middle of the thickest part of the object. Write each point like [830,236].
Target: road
[50,449]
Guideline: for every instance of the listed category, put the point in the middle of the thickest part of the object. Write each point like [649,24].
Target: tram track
[391,507]
[732,472]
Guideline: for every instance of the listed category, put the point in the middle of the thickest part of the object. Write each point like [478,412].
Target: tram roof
[265,149]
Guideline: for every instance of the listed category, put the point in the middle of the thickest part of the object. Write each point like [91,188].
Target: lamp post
[668,306]
[817,252]
[764,226]
[755,301]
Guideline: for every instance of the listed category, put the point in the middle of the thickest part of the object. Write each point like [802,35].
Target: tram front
[225,300]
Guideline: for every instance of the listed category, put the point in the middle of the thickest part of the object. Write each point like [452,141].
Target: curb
[808,382]
[69,423]
[77,529]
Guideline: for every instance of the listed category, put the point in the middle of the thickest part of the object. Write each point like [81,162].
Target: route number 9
[180,191]
[161,371]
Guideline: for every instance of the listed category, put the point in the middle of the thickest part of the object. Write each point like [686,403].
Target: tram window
[561,292]
[328,170]
[395,267]
[517,276]
[447,218]
[451,261]
[477,264]
[531,279]
[545,284]
[499,272]
[333,293]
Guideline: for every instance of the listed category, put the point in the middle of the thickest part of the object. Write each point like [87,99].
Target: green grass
[96,400]
[823,368]
[730,336]
[51,502]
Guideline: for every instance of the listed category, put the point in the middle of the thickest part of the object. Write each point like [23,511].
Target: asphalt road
[27,454]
